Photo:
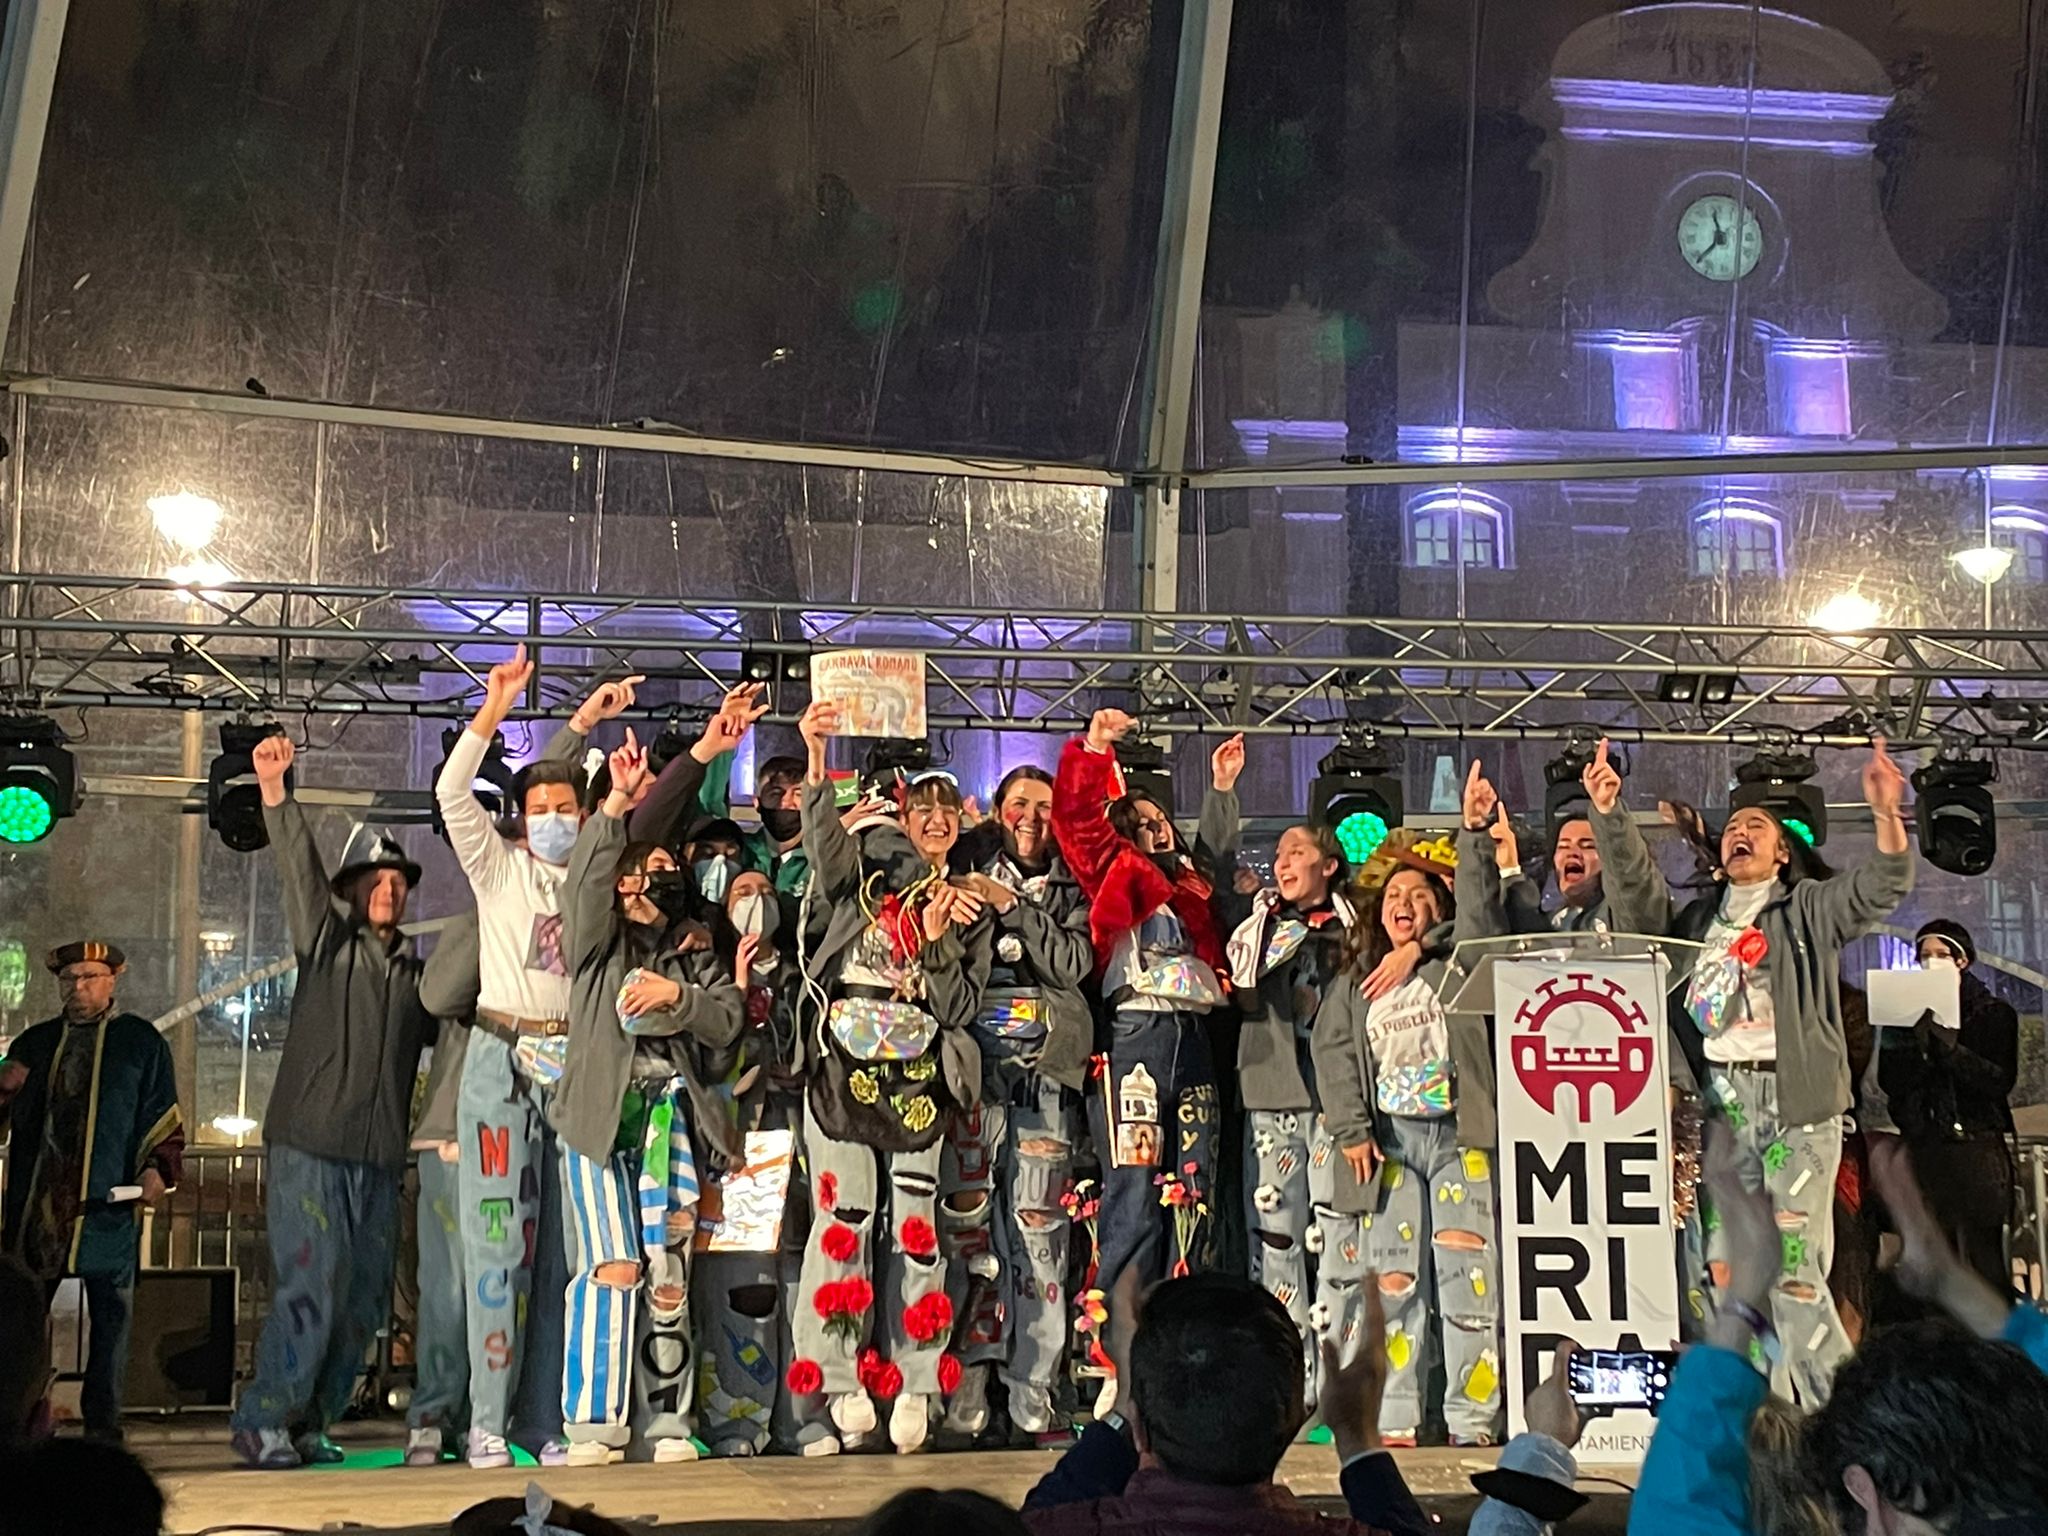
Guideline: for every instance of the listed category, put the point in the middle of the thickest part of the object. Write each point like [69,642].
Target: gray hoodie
[600,947]
[956,965]
[1804,927]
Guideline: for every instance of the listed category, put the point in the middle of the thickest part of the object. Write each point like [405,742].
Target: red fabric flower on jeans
[828,1192]
[881,1377]
[839,1242]
[805,1377]
[928,1318]
[856,1295]
[918,1238]
[950,1372]
[829,1299]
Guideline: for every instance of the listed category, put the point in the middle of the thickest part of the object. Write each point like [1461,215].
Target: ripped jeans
[872,1230]
[1797,1164]
[1434,1240]
[1290,1219]
[1005,1232]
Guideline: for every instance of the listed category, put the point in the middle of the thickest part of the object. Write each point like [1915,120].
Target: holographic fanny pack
[1182,979]
[881,1029]
[1420,1091]
[1018,1016]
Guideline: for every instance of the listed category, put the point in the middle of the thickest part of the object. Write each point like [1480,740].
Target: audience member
[943,1512]
[1215,1378]
[78,1488]
[1937,1427]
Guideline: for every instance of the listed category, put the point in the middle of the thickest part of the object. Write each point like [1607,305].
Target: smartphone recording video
[1603,1380]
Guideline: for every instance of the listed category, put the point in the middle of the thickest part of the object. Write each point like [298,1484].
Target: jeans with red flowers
[873,1311]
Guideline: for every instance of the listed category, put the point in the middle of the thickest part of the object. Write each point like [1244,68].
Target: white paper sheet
[1898,998]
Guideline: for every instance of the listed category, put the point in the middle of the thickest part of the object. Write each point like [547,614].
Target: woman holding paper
[1764,995]
[900,971]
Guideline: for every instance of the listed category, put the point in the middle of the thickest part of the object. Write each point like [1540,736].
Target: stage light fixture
[1564,795]
[1678,688]
[38,779]
[1145,771]
[234,801]
[186,519]
[774,668]
[1847,613]
[1777,781]
[1953,813]
[492,785]
[1357,797]
[670,742]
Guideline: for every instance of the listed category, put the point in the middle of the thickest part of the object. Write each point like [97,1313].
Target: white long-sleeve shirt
[521,970]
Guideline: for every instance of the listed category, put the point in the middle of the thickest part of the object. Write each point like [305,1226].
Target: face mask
[714,875]
[668,891]
[551,836]
[1940,963]
[782,825]
[753,914]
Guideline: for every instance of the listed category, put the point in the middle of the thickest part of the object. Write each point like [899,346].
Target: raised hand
[743,958]
[628,764]
[1507,848]
[1884,785]
[736,715]
[1602,783]
[1352,1389]
[1108,727]
[1927,1265]
[272,759]
[1549,1408]
[1481,800]
[606,702]
[1226,763]
[820,722]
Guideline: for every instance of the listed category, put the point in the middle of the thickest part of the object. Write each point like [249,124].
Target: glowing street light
[188,520]
[1987,563]
[1846,613]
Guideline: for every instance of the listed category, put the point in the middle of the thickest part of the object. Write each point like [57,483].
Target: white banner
[1585,1139]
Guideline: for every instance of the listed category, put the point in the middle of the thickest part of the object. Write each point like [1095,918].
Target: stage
[205,1487]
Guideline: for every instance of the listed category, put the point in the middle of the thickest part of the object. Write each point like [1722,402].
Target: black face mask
[670,891]
[782,825]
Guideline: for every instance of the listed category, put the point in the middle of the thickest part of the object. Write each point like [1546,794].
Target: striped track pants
[602,1217]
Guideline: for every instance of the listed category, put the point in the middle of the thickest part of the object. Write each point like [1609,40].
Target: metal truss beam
[95,641]
[652,437]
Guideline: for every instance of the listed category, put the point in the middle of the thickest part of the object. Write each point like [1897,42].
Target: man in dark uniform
[96,1133]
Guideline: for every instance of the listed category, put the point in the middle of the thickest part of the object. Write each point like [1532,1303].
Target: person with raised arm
[336,1129]
[518,1044]
[1155,1111]
[900,968]
[634,1087]
[1764,997]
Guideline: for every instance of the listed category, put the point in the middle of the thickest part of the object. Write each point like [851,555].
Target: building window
[1434,520]
[2008,929]
[2025,533]
[1737,534]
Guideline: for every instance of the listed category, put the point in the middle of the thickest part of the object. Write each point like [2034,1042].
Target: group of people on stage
[797,1127]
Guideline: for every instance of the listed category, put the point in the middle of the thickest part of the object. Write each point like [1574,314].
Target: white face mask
[551,836]
[714,875]
[751,914]
[1940,962]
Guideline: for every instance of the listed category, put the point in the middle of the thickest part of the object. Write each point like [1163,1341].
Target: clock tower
[1700,148]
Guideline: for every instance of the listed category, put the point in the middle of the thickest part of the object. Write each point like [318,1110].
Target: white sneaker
[675,1448]
[853,1413]
[910,1422]
[967,1408]
[423,1447]
[1105,1398]
[1030,1408]
[487,1450]
[594,1453]
[824,1445]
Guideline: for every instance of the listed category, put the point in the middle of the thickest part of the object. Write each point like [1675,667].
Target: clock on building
[1720,238]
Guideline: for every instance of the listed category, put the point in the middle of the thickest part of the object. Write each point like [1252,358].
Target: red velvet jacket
[1124,886]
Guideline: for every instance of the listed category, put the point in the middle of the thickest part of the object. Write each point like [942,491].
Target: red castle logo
[1543,1067]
